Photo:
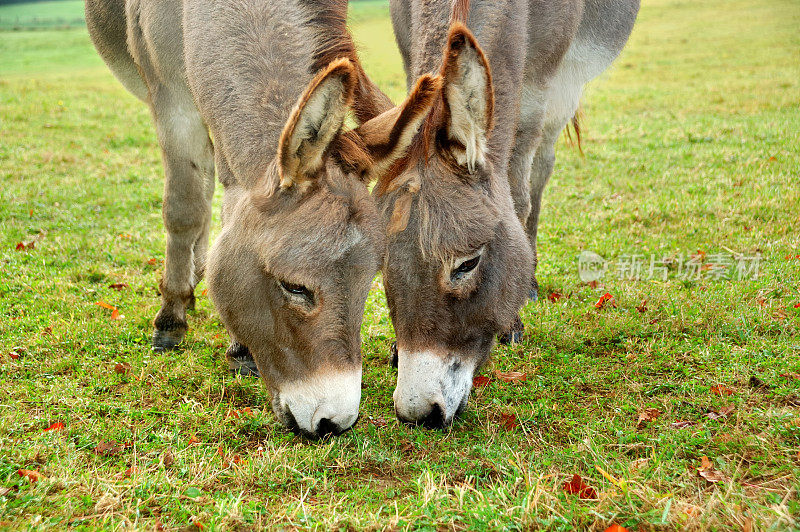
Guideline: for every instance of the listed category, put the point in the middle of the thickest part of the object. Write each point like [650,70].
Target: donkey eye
[297,290]
[465,267]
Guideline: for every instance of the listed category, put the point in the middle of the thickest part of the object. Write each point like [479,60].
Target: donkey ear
[314,122]
[388,135]
[468,96]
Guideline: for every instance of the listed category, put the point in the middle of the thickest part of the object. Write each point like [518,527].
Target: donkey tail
[459,11]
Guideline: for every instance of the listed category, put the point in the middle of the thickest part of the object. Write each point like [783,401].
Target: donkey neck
[491,21]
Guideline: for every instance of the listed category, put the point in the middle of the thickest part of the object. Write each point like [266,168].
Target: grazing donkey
[273,81]
[464,205]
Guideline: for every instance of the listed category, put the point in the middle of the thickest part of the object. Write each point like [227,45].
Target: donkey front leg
[188,190]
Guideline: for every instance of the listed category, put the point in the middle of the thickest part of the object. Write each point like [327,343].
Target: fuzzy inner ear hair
[315,122]
[468,96]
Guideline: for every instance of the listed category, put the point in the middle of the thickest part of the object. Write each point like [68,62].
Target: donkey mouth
[325,428]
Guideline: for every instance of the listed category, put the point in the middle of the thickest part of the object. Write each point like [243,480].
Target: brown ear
[468,96]
[388,135]
[314,122]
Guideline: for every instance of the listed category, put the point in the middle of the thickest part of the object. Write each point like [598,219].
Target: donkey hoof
[393,355]
[533,293]
[240,361]
[166,340]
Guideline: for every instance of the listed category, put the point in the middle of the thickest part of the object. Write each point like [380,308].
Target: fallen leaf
[54,427]
[31,475]
[377,421]
[553,297]
[578,487]
[108,448]
[795,376]
[118,286]
[707,471]
[193,440]
[407,447]
[594,284]
[719,389]
[643,307]
[204,292]
[682,424]
[616,528]
[605,299]
[152,262]
[7,491]
[508,421]
[167,458]
[247,410]
[115,314]
[721,413]
[232,413]
[122,368]
[193,521]
[24,246]
[797,305]
[105,305]
[755,382]
[510,376]
[131,471]
[480,381]
[650,414]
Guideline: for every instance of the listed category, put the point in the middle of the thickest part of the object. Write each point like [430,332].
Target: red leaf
[794,376]
[578,487]
[605,299]
[594,284]
[24,246]
[719,389]
[480,381]
[152,262]
[377,421]
[555,296]
[508,421]
[193,440]
[105,305]
[204,292]
[122,368]
[232,413]
[54,427]
[14,356]
[32,476]
[131,471]
[247,410]
[797,305]
[118,286]
[511,376]
[616,528]
[115,314]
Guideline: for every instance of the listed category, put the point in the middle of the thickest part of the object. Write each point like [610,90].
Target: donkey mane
[328,21]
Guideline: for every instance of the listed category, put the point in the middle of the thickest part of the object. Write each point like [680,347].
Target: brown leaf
[105,305]
[606,299]
[122,368]
[682,424]
[511,376]
[232,413]
[650,414]
[795,376]
[723,412]
[31,475]
[167,458]
[707,471]
[7,491]
[719,389]
[108,448]
[578,487]
[508,421]
[407,447]
[480,381]
[554,297]
[643,307]
[377,421]
[594,284]
[118,286]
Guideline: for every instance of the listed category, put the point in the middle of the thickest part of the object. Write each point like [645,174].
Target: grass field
[691,145]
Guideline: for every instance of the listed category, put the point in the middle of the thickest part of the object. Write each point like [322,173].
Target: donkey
[272,81]
[463,207]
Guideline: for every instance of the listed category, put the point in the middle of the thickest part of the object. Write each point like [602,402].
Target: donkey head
[291,270]
[458,263]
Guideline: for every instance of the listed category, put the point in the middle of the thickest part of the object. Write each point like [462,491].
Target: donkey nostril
[327,427]
[435,418]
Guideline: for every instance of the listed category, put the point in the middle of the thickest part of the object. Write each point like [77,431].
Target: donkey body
[273,82]
[515,85]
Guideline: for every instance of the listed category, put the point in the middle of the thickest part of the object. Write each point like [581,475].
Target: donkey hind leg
[541,170]
[188,190]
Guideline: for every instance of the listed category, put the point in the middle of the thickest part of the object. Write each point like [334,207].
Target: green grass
[691,144]
[38,15]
